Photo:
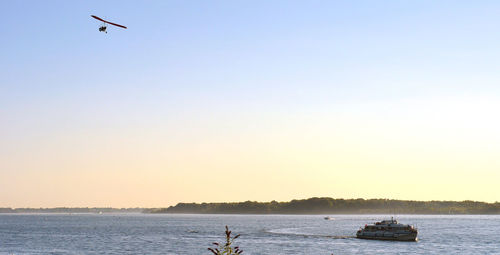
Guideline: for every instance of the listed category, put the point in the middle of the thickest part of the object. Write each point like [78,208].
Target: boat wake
[294,232]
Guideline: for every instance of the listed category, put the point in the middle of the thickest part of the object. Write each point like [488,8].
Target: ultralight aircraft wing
[105,21]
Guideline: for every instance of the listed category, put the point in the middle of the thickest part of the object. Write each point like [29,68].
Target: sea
[260,234]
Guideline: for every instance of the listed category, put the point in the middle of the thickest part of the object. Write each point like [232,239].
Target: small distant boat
[328,218]
[388,230]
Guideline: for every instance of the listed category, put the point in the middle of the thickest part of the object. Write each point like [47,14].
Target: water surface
[260,234]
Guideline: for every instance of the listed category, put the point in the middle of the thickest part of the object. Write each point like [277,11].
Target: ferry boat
[388,230]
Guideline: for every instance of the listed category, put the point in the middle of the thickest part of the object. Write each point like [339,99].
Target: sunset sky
[212,101]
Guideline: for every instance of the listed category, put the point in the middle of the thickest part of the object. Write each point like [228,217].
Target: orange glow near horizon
[383,154]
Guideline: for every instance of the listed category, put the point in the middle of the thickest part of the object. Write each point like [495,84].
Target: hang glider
[103,27]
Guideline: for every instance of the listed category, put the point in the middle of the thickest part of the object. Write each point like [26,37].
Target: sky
[219,101]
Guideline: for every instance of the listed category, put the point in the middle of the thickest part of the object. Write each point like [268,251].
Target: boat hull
[410,237]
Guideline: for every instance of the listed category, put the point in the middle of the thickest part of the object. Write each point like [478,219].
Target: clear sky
[248,100]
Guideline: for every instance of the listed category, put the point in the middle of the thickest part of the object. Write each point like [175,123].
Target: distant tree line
[325,205]
[315,205]
[72,210]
